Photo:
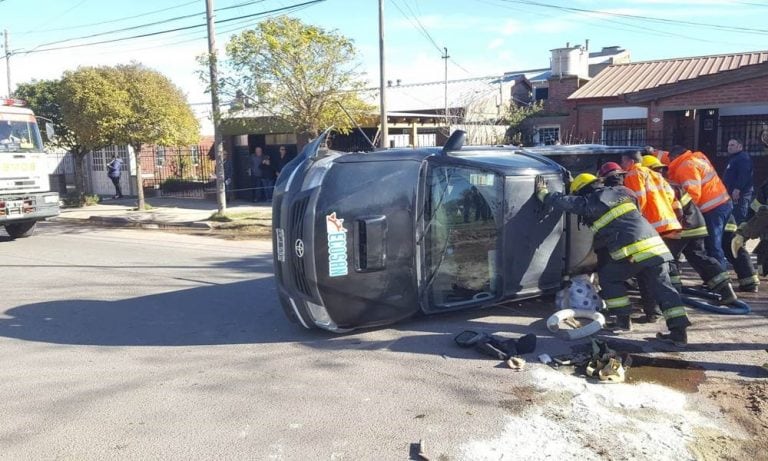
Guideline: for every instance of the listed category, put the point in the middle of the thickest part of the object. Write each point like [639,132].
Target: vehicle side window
[462,234]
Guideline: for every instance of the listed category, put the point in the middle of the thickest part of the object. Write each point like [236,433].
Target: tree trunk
[80,187]
[139,181]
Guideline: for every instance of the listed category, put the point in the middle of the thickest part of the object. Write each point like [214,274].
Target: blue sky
[483,37]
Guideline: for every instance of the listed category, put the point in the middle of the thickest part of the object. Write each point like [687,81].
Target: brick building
[699,102]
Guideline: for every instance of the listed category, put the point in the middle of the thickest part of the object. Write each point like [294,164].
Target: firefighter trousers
[654,274]
[709,269]
[742,262]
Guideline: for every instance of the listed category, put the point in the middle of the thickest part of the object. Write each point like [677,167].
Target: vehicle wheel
[21,229]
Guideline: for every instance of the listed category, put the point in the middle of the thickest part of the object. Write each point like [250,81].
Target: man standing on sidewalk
[256,172]
[114,169]
[738,179]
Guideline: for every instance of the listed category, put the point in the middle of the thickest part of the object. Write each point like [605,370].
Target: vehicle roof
[15,110]
[506,159]
[581,149]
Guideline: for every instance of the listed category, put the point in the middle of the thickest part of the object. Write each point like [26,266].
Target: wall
[745,92]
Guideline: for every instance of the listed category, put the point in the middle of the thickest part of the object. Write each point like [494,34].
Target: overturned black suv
[366,239]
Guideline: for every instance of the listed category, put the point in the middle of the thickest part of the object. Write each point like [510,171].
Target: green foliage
[519,120]
[94,105]
[76,200]
[157,110]
[181,166]
[180,185]
[43,97]
[297,72]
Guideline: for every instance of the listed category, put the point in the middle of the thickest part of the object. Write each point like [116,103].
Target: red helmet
[610,168]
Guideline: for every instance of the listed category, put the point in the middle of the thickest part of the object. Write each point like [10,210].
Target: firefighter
[749,281]
[655,198]
[694,172]
[755,227]
[657,204]
[661,155]
[611,174]
[691,242]
[626,245]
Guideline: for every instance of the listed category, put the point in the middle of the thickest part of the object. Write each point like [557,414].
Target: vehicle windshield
[19,136]
[461,235]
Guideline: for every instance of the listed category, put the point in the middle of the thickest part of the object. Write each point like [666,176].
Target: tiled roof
[629,78]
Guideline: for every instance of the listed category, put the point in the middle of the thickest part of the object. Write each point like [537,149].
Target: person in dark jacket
[262,175]
[282,159]
[114,169]
[626,245]
[738,179]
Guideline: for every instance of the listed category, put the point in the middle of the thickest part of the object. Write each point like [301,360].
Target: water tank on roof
[570,62]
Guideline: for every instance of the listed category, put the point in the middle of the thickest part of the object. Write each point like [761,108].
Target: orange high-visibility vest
[655,198]
[695,173]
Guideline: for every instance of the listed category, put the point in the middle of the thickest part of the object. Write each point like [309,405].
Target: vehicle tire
[20,229]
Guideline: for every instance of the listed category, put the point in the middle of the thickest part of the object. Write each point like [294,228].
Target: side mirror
[49,131]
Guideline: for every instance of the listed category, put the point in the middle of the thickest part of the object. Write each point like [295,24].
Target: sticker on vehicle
[337,246]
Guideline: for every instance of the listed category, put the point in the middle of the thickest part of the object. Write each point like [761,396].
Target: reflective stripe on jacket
[695,173]
[620,230]
[655,198]
[694,225]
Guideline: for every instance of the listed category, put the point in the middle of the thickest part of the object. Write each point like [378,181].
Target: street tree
[91,106]
[519,118]
[157,113]
[297,72]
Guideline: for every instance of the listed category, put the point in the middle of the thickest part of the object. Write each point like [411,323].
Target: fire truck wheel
[20,229]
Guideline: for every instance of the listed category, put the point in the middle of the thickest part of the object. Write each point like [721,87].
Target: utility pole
[7,61]
[218,148]
[384,142]
[445,57]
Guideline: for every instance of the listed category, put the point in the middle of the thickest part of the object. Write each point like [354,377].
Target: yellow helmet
[584,179]
[650,161]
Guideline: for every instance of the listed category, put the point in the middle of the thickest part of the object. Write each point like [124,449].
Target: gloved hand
[540,187]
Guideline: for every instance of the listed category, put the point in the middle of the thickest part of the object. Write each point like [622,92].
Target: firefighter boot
[623,323]
[676,336]
[727,295]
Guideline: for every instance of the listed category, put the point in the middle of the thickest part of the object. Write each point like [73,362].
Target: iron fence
[177,171]
[752,130]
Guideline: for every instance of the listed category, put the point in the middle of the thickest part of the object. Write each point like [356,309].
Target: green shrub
[75,200]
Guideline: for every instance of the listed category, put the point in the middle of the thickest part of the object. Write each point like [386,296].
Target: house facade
[698,102]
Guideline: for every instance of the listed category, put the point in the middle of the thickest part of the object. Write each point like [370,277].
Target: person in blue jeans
[738,179]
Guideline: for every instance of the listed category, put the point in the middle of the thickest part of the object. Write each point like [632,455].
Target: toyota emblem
[299,247]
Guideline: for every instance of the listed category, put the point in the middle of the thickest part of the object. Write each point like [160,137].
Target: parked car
[367,239]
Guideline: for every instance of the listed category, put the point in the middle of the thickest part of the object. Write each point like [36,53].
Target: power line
[738,29]
[141,26]
[239,26]
[417,24]
[167,31]
[112,21]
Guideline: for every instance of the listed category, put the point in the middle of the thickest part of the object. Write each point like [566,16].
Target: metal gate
[98,160]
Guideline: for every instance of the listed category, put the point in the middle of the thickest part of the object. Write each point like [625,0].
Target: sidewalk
[165,212]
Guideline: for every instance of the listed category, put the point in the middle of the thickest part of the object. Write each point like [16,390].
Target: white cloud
[495,43]
[511,26]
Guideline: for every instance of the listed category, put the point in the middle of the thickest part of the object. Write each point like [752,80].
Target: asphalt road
[135,344]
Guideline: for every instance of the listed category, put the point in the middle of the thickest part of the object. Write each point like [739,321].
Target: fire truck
[25,195]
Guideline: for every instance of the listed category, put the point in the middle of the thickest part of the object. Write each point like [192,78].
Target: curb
[121,221]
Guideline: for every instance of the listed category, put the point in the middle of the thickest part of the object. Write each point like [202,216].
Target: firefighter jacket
[655,198]
[621,232]
[692,220]
[761,197]
[695,173]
